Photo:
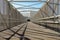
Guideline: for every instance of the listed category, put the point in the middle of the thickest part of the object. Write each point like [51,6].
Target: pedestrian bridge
[40,24]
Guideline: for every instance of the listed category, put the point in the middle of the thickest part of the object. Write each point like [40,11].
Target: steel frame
[26,25]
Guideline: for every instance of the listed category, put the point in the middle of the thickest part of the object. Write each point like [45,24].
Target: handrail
[52,17]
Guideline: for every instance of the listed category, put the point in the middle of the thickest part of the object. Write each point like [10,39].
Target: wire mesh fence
[9,16]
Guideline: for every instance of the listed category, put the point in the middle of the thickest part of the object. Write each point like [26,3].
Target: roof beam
[27,1]
[28,11]
[27,8]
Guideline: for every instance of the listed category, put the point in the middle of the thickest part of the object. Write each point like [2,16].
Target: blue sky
[19,4]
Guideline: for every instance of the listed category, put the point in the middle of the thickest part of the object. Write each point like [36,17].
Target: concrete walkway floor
[33,32]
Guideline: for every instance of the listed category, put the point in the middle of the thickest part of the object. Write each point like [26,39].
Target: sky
[27,5]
